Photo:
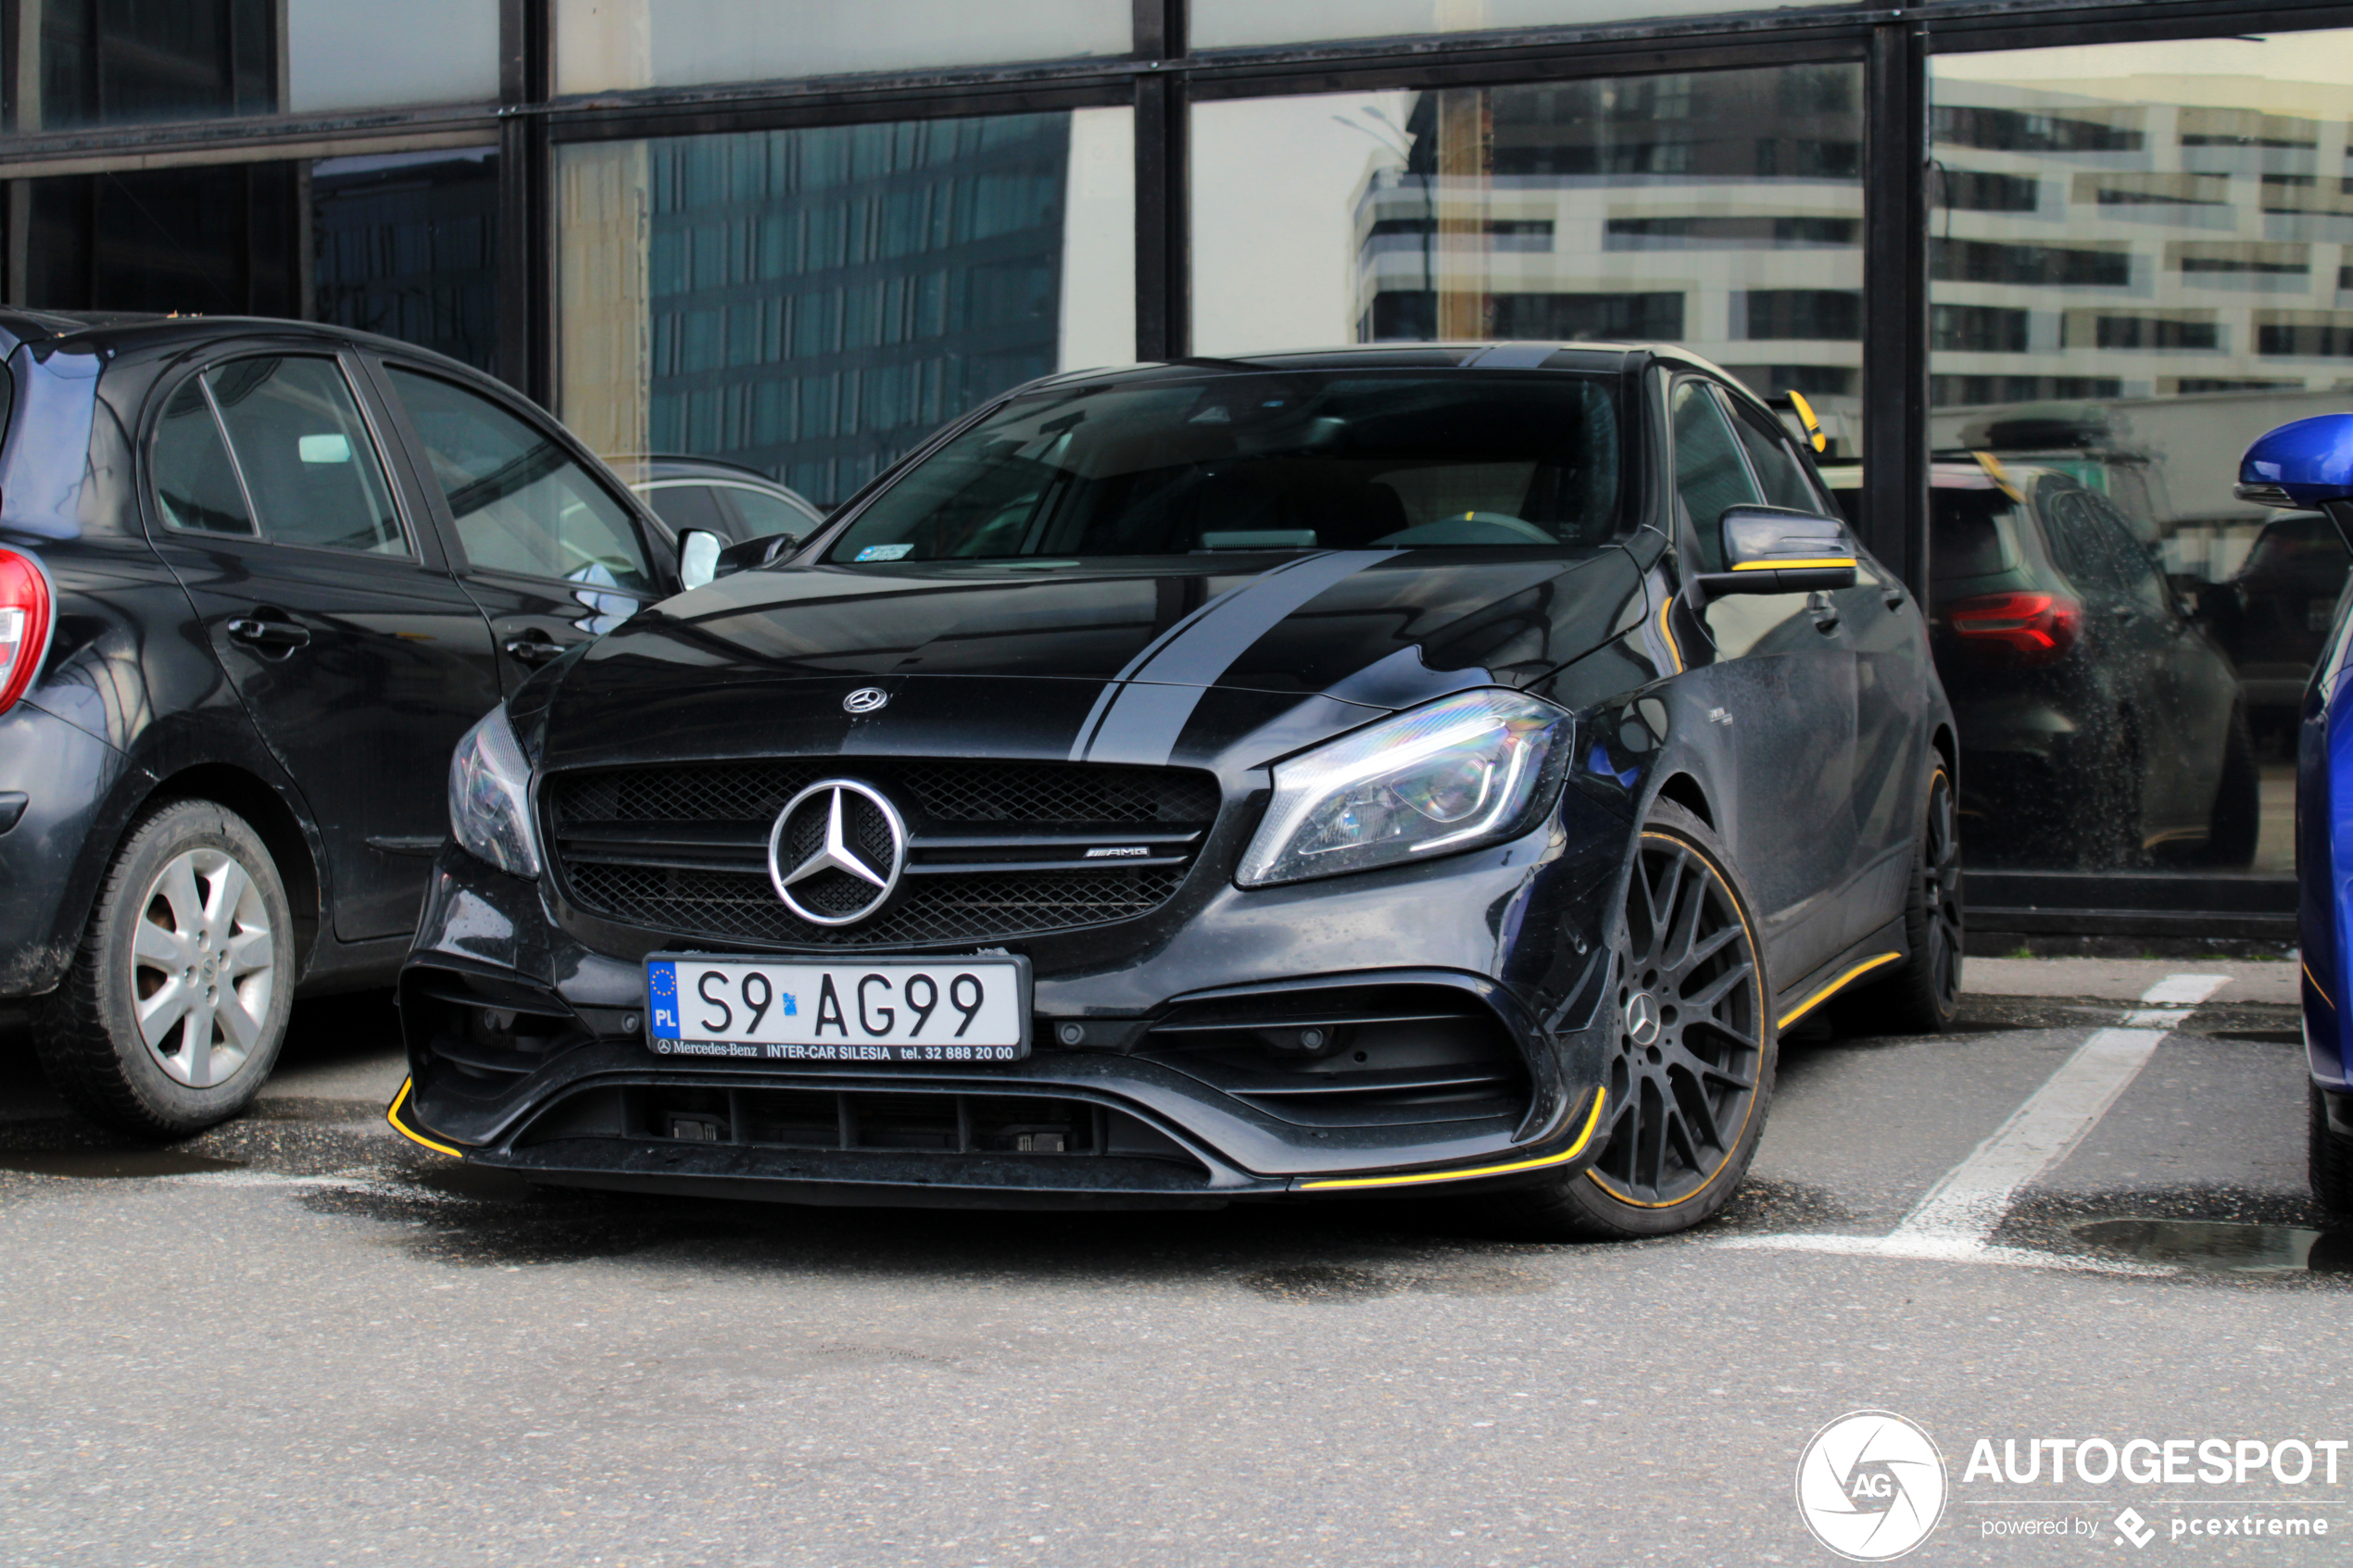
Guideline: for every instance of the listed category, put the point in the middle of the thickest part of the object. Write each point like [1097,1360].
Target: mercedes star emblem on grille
[865,699]
[845,845]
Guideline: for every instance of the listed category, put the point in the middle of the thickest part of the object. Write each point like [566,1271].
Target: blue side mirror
[2307,464]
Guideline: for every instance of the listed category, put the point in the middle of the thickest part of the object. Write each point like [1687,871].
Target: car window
[1776,466]
[1970,533]
[759,514]
[1273,460]
[2078,543]
[1709,475]
[2134,568]
[195,484]
[310,465]
[688,506]
[520,505]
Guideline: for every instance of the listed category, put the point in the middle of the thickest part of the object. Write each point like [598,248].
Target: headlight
[490,797]
[1467,770]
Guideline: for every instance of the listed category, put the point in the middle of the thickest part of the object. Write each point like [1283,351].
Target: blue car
[2308,465]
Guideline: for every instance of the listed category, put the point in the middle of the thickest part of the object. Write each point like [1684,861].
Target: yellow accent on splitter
[1802,1008]
[392,1114]
[1572,1151]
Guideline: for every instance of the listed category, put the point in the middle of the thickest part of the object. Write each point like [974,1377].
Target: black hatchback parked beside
[256,579]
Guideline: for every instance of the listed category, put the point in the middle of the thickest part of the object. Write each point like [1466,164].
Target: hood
[1115,660]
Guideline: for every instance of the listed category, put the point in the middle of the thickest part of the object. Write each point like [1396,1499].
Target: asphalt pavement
[2081,1218]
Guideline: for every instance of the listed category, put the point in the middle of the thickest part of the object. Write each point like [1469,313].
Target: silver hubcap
[203,965]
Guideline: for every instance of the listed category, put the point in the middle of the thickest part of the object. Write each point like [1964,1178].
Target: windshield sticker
[881,552]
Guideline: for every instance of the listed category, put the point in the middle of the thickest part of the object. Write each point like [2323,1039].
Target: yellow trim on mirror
[1813,426]
[1999,475]
[1571,1152]
[1808,561]
[392,1114]
[1802,1008]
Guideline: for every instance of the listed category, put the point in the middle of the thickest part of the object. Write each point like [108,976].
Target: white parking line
[1956,1220]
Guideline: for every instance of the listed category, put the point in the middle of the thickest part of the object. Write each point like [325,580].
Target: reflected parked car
[727,499]
[2101,727]
[2272,615]
[256,579]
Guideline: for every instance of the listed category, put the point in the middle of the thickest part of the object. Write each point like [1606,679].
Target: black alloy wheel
[1690,1070]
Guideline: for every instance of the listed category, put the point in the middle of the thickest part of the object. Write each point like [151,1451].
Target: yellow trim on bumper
[392,1114]
[1421,1178]
[2314,984]
[1664,611]
[1802,1008]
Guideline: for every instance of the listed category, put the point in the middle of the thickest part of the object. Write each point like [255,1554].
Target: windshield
[1279,461]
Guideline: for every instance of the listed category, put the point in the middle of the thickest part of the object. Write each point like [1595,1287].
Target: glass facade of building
[2043,269]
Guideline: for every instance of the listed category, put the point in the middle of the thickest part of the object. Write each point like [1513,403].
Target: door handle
[535,650]
[281,636]
[1825,612]
[1894,597]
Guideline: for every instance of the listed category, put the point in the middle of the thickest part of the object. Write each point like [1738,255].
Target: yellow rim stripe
[1830,990]
[1811,560]
[392,1114]
[1571,1152]
[2316,985]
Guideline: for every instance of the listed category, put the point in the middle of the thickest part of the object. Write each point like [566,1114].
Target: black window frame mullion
[1162,183]
[525,353]
[1895,232]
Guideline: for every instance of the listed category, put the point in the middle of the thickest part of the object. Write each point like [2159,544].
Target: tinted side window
[520,505]
[1709,475]
[759,514]
[309,463]
[2076,541]
[687,505]
[195,481]
[1777,466]
[2134,567]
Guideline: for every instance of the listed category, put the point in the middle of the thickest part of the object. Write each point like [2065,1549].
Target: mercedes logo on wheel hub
[837,851]
[1642,1018]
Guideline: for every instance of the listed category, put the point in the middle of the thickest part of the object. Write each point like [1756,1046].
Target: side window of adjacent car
[688,506]
[520,503]
[305,469]
[1709,473]
[1776,466]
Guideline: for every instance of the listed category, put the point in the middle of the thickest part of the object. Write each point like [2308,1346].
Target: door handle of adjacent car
[1892,596]
[535,650]
[278,635]
[1825,612]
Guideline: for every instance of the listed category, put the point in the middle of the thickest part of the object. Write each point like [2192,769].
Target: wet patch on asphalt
[2199,1234]
[1340,1284]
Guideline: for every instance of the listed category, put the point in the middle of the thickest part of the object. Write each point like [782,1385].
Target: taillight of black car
[2017,629]
[24,624]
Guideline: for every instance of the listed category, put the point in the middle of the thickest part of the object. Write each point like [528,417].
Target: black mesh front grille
[932,908]
[617,835]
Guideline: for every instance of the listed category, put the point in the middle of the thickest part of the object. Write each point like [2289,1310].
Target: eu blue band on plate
[661,1001]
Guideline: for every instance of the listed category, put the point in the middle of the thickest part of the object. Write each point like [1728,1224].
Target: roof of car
[126,329]
[1492,356]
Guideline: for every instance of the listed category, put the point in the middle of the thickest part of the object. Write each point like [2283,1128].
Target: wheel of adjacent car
[2328,1158]
[2236,821]
[1923,995]
[175,1006]
[1690,1068]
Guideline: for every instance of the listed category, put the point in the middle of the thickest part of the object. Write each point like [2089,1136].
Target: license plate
[879,1010]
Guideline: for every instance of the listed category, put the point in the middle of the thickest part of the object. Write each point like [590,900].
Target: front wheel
[175,1006]
[1690,1070]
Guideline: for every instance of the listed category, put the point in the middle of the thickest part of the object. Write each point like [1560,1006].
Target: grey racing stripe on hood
[1144,707]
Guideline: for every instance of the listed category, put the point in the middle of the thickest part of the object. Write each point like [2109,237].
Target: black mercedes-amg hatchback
[1391,770]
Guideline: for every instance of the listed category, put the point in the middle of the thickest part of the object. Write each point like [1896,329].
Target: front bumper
[1467,1052]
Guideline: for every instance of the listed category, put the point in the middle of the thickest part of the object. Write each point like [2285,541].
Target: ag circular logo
[1870,1485]
[865,699]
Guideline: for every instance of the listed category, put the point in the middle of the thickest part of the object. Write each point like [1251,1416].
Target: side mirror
[2307,464]
[1779,550]
[698,553]
[766,550]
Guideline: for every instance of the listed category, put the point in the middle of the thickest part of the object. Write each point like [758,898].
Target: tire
[192,885]
[1923,995]
[1685,1106]
[2237,818]
[2328,1157]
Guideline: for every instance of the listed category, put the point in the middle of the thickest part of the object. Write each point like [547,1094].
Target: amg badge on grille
[837,851]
